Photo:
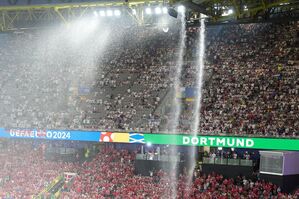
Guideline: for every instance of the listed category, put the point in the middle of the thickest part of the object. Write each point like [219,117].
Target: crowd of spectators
[110,175]
[24,171]
[251,81]
[254,85]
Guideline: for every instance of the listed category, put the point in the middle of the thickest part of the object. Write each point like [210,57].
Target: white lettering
[194,140]
[203,141]
[186,140]
[32,134]
[49,134]
[220,142]
[22,133]
[230,144]
[211,141]
[240,142]
[12,133]
[249,143]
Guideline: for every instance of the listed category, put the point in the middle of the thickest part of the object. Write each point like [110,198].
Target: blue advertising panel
[93,136]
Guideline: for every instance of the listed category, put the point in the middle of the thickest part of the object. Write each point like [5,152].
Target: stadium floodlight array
[117,13]
[227,12]
[148,10]
[156,10]
[107,13]
[164,10]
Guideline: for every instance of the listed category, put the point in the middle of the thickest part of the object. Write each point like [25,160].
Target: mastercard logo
[121,137]
[106,137]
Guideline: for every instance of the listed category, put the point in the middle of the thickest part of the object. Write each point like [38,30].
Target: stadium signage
[22,133]
[161,139]
[224,141]
[218,141]
[50,134]
[27,133]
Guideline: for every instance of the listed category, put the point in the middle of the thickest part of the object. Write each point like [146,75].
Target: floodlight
[102,13]
[148,11]
[158,10]
[228,12]
[134,12]
[109,13]
[164,9]
[117,12]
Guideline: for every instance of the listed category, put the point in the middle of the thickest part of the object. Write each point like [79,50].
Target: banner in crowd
[83,90]
[163,139]
[187,93]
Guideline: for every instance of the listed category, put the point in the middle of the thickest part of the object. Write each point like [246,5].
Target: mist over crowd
[118,77]
[111,75]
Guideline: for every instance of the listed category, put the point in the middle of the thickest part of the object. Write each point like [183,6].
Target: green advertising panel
[220,141]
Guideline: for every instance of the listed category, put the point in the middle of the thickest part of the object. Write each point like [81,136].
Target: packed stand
[254,83]
[24,171]
[250,82]
[111,175]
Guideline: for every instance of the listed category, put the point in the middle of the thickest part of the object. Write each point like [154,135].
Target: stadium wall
[228,171]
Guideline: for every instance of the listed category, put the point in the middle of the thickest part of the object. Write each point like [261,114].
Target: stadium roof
[243,11]
[16,13]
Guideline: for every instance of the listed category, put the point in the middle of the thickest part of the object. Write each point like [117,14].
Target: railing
[227,161]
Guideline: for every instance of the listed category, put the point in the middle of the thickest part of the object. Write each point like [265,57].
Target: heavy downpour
[149,100]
